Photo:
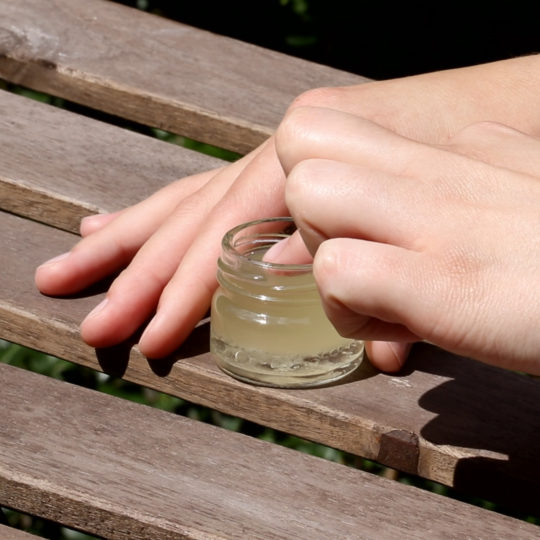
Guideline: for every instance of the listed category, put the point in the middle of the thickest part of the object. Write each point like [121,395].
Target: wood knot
[46,63]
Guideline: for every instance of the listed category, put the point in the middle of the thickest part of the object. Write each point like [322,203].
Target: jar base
[284,371]
[311,383]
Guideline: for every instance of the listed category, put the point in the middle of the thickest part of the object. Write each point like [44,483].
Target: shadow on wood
[469,409]
[114,360]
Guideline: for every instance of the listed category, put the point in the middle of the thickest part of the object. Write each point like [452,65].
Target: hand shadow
[492,410]
[115,360]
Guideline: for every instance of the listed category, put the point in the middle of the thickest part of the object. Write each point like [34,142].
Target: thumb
[387,355]
[370,291]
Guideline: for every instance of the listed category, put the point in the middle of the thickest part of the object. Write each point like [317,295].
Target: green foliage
[37,362]
[300,7]
[33,94]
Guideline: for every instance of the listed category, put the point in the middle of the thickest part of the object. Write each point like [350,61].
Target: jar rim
[229,247]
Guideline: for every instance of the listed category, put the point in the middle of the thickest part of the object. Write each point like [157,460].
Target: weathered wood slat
[7,533]
[57,167]
[211,88]
[125,471]
[446,418]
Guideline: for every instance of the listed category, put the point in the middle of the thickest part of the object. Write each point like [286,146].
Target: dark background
[377,39]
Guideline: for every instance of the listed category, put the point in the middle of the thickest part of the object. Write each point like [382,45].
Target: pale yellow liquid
[288,342]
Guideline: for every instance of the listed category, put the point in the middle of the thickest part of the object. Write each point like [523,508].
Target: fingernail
[54,260]
[95,217]
[97,309]
[400,350]
[87,219]
[272,255]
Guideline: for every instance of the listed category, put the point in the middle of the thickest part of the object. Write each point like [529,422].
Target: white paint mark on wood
[33,42]
[401,383]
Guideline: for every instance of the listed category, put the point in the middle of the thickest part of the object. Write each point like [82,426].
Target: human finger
[291,250]
[257,193]
[112,247]
[319,133]
[311,132]
[388,356]
[92,224]
[367,290]
[359,203]
[135,293]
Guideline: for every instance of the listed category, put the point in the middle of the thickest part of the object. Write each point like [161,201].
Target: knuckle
[136,278]
[317,97]
[294,126]
[325,268]
[302,190]
[299,178]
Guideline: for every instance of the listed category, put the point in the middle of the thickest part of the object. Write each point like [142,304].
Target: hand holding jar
[419,242]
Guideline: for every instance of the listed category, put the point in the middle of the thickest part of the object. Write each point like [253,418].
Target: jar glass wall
[268,325]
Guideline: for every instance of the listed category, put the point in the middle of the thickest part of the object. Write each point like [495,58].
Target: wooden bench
[121,470]
[7,533]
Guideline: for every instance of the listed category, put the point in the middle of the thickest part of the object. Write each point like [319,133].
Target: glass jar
[268,325]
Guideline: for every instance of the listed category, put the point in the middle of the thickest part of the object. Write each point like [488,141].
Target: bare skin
[419,242]
[428,108]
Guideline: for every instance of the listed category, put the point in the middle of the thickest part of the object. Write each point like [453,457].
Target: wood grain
[58,167]
[477,427]
[154,71]
[125,471]
[7,533]
[133,472]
